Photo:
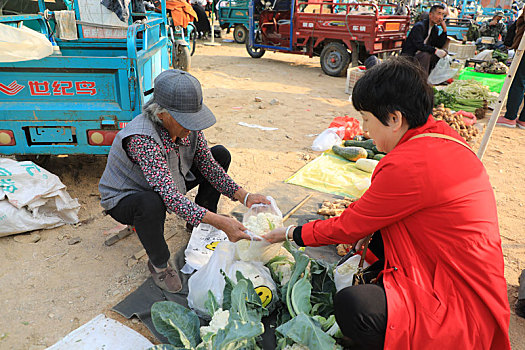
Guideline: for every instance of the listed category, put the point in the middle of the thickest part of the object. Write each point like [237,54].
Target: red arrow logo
[11,89]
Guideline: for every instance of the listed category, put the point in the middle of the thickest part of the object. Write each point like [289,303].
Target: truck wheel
[335,59]
[255,52]
[240,33]
[181,58]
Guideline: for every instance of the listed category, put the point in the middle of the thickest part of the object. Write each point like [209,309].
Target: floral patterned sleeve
[211,170]
[145,152]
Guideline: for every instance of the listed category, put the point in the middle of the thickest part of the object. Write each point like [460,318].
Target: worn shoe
[502,121]
[167,280]
[520,308]
[520,124]
[189,227]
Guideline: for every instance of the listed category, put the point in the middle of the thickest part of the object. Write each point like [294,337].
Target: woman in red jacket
[433,212]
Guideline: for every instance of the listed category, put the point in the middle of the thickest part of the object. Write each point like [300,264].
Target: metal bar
[501,98]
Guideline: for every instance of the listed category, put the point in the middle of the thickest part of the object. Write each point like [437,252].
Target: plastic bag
[253,250]
[209,278]
[22,44]
[204,238]
[328,138]
[260,219]
[442,71]
[350,124]
[344,273]
[261,279]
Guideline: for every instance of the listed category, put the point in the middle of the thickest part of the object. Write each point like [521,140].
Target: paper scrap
[257,126]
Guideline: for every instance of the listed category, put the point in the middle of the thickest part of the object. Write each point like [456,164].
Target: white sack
[22,44]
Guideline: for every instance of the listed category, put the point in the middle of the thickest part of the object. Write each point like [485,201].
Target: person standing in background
[202,24]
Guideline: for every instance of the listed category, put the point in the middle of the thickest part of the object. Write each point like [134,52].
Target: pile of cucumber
[358,149]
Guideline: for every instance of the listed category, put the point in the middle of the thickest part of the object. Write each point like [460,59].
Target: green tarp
[493,81]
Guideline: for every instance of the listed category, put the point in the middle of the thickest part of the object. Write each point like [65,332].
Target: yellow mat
[330,173]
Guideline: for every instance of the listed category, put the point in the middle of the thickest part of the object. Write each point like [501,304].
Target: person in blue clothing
[424,42]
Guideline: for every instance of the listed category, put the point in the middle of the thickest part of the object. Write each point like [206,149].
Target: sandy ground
[50,287]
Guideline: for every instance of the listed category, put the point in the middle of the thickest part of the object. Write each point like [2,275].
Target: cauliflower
[347,269]
[218,321]
[295,346]
[263,223]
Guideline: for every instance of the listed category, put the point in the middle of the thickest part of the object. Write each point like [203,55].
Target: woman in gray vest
[158,157]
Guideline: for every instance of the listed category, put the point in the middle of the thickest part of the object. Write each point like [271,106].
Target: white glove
[440,53]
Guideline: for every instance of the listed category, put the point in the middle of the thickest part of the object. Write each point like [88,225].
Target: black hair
[398,84]
[435,7]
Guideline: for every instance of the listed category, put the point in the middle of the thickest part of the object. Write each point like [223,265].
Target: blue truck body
[75,102]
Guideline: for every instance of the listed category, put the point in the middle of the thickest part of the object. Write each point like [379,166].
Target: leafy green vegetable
[271,225]
[165,347]
[306,331]
[300,296]
[211,304]
[500,56]
[301,261]
[177,323]
[238,335]
[443,97]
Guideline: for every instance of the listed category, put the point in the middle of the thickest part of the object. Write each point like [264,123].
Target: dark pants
[361,310]
[203,23]
[147,211]
[516,91]
[426,60]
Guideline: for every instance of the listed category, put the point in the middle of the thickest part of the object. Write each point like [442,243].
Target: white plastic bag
[253,250]
[261,279]
[209,278]
[22,44]
[442,71]
[32,198]
[344,273]
[203,241]
[328,138]
[260,219]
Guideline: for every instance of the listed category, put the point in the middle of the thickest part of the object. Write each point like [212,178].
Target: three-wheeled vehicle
[313,28]
[234,14]
[76,100]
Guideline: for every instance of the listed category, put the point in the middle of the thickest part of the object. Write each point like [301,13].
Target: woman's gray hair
[151,110]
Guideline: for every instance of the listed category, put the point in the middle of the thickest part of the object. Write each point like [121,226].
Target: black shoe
[189,227]
[167,280]
[520,308]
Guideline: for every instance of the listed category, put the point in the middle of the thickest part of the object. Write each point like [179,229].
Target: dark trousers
[361,311]
[426,60]
[147,211]
[515,96]
[203,23]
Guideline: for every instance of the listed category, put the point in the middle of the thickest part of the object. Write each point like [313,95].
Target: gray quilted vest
[122,177]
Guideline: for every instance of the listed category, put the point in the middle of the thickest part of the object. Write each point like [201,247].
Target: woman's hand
[231,226]
[255,198]
[276,236]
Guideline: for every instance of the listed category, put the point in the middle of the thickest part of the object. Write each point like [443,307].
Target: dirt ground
[50,287]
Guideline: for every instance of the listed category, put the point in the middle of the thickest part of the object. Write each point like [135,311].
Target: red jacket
[443,275]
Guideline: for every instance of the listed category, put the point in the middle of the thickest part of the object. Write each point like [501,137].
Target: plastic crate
[462,51]
[352,76]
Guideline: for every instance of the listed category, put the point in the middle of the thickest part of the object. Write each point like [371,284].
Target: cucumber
[368,144]
[379,156]
[359,138]
[367,165]
[350,153]
[371,153]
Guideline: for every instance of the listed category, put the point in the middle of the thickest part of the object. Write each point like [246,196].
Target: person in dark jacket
[424,42]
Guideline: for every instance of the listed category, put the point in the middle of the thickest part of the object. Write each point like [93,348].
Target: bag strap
[441,136]
[363,254]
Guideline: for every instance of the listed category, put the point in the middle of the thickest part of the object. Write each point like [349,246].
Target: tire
[240,33]
[181,58]
[335,59]
[39,159]
[254,52]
